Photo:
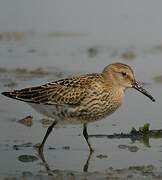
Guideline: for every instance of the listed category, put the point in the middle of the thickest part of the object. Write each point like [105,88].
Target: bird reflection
[45,164]
[142,135]
[51,172]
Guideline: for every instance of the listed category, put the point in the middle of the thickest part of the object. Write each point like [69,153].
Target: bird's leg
[46,136]
[49,171]
[85,167]
[85,134]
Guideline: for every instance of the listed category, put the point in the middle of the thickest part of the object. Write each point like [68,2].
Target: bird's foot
[39,148]
[91,150]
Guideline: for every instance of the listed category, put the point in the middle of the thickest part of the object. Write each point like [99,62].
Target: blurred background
[121,19]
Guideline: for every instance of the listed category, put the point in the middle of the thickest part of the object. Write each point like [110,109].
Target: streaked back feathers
[64,91]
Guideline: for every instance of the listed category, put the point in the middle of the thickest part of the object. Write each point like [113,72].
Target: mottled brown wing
[66,91]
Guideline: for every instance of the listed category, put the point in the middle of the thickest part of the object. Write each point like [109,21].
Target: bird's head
[122,76]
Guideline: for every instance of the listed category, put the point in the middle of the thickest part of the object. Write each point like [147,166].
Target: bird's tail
[14,95]
[8,94]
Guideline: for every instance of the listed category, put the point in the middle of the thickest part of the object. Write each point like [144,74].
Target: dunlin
[82,99]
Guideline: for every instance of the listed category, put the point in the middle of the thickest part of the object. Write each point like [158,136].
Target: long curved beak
[139,88]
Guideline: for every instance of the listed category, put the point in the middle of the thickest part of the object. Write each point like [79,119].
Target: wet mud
[121,151]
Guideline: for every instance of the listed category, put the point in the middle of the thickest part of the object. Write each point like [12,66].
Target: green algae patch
[143,135]
[145,131]
[142,130]
[27,158]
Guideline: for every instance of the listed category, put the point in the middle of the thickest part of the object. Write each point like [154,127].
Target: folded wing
[66,91]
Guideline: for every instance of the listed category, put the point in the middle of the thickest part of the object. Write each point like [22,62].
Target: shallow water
[66,148]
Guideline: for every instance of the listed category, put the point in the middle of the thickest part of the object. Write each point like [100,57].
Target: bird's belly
[52,111]
[66,114]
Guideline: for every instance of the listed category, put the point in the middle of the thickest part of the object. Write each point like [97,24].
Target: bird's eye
[124,73]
